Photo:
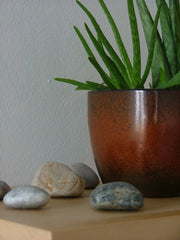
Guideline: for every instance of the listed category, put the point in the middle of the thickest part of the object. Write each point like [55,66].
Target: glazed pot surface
[135,137]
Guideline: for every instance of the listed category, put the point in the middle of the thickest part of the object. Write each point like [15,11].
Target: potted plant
[135,132]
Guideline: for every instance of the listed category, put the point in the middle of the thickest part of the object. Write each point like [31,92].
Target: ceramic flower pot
[135,136]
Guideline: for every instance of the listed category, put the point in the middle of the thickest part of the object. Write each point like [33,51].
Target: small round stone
[26,197]
[87,174]
[4,188]
[117,196]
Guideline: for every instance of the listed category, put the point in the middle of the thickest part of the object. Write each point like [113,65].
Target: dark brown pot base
[151,186]
[135,136]
[151,189]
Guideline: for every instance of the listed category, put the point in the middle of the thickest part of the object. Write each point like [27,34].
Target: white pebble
[26,197]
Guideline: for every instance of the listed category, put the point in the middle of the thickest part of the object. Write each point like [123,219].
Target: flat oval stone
[117,196]
[4,188]
[87,174]
[58,180]
[26,197]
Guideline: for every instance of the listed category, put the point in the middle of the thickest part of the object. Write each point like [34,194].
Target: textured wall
[40,119]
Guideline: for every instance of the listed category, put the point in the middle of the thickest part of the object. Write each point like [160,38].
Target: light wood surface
[75,219]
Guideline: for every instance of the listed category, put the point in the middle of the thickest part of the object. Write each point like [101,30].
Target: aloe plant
[166,61]
[121,73]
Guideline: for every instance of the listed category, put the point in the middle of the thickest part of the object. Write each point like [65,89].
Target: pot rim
[133,90]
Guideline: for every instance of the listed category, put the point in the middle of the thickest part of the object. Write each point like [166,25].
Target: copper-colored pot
[135,136]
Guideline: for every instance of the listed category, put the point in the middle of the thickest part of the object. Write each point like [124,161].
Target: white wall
[40,119]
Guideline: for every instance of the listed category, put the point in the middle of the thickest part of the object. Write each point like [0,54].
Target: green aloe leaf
[84,43]
[172,11]
[160,58]
[80,85]
[151,48]
[163,77]
[107,80]
[175,23]
[106,44]
[167,35]
[175,13]
[118,39]
[92,86]
[99,40]
[177,8]
[136,43]
[175,81]
[93,60]
[107,61]
[97,85]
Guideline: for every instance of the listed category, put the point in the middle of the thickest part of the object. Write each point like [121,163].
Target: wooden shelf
[75,219]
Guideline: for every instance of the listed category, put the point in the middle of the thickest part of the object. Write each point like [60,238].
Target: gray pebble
[117,196]
[26,197]
[4,188]
[87,174]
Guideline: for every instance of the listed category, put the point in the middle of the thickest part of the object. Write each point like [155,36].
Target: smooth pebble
[117,196]
[4,188]
[58,180]
[26,197]
[87,174]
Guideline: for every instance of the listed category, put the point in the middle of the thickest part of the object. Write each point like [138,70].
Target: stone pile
[57,180]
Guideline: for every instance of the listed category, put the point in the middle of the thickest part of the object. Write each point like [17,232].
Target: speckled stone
[4,188]
[26,197]
[117,196]
[87,174]
[58,180]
